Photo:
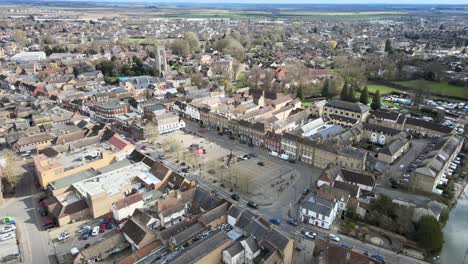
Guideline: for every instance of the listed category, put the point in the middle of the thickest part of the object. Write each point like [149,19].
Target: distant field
[213,13]
[315,13]
[438,88]
[382,88]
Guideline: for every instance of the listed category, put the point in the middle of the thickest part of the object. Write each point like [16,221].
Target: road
[35,242]
[286,201]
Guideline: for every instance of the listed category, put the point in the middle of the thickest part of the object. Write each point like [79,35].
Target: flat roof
[73,178]
[115,181]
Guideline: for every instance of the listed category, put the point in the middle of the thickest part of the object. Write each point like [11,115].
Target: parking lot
[76,240]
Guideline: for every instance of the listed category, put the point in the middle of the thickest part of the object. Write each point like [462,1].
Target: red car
[108,218]
[201,130]
[102,228]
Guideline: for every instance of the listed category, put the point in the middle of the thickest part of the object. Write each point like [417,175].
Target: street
[34,242]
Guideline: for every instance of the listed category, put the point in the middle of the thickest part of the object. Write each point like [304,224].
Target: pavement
[35,245]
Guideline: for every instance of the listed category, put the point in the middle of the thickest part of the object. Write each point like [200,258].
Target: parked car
[235,197]
[242,141]
[7,228]
[310,235]
[379,258]
[95,231]
[220,133]
[334,237]
[253,155]
[84,228]
[292,221]
[109,225]
[7,236]
[86,245]
[232,137]
[63,236]
[252,204]
[202,130]
[42,211]
[261,163]
[102,228]
[49,224]
[292,161]
[275,220]
[86,235]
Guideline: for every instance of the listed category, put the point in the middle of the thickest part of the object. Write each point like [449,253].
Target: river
[456,233]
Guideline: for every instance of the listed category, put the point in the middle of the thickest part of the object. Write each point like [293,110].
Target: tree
[344,91]
[180,47]
[439,117]
[388,46]
[364,98]
[232,47]
[351,96]
[299,93]
[429,234]
[376,100]
[326,89]
[192,41]
[11,171]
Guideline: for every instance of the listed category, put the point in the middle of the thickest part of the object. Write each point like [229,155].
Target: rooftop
[116,181]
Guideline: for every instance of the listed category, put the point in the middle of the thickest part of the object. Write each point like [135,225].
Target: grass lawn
[438,88]
[307,104]
[382,88]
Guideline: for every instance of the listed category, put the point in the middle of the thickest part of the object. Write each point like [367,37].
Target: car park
[63,236]
[7,228]
[95,231]
[310,235]
[334,237]
[7,236]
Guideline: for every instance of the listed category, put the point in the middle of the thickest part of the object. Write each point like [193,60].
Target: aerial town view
[234,131]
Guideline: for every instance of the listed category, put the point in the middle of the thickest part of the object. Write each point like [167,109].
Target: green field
[438,88]
[382,88]
[315,13]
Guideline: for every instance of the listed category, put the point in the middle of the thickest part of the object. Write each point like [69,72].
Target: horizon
[261,2]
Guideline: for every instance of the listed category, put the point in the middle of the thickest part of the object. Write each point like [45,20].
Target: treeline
[115,68]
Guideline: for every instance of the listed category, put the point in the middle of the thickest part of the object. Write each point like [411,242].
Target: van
[274,154]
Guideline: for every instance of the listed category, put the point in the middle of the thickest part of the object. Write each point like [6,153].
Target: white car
[7,228]
[7,236]
[64,235]
[310,235]
[95,231]
[334,237]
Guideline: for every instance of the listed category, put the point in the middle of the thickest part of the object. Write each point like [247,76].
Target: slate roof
[201,248]
[235,249]
[135,231]
[429,125]
[378,128]
[388,115]
[356,177]
[348,106]
[393,147]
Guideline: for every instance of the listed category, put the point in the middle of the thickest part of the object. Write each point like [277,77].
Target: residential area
[126,138]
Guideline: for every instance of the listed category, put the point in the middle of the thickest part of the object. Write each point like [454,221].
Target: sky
[435,2]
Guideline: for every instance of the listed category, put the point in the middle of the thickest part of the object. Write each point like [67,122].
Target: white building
[29,56]
[124,208]
[318,211]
